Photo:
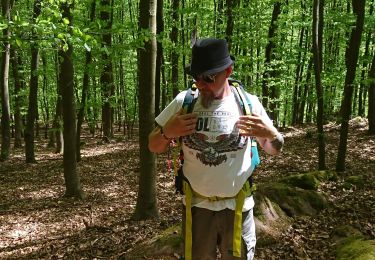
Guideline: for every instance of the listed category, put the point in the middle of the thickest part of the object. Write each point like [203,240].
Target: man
[216,144]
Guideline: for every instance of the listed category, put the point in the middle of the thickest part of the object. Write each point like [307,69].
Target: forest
[81,84]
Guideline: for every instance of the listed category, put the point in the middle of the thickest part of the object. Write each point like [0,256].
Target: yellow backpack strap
[237,227]
[242,99]
[188,221]
[246,191]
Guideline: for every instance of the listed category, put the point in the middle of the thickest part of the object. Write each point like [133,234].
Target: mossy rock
[165,244]
[356,249]
[303,181]
[293,201]
[354,180]
[310,180]
[325,175]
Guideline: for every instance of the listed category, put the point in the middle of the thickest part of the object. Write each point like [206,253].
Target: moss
[325,175]
[303,181]
[355,180]
[357,249]
[166,243]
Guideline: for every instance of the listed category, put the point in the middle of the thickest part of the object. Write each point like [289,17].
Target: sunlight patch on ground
[39,194]
[101,150]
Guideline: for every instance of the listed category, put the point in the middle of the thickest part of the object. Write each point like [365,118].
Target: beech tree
[146,201]
[351,59]
[4,87]
[66,84]
[317,53]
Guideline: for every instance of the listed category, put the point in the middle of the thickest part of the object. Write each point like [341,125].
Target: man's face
[210,86]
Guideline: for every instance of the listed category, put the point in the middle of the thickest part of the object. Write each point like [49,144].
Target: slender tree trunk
[33,94]
[362,85]
[106,78]
[306,86]
[45,96]
[72,180]
[231,5]
[159,58]
[317,53]
[174,54]
[85,89]
[4,87]
[296,98]
[146,202]
[57,121]
[18,100]
[268,54]
[351,59]
[371,98]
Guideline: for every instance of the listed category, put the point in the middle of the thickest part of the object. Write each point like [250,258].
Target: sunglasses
[206,78]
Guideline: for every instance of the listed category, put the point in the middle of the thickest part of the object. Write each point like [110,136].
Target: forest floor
[37,222]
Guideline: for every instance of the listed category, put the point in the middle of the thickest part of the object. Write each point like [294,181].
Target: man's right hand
[180,124]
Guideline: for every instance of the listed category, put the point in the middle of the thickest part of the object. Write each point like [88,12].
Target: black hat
[209,56]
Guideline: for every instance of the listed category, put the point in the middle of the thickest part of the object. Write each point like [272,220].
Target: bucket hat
[209,56]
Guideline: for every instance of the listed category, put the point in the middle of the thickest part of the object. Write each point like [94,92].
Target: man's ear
[228,71]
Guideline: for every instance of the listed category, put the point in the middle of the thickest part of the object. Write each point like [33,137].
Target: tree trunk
[351,59]
[268,54]
[66,82]
[106,78]
[317,53]
[45,96]
[146,202]
[230,4]
[4,87]
[85,89]
[174,54]
[306,87]
[18,100]
[296,98]
[362,85]
[33,94]
[371,98]
[159,57]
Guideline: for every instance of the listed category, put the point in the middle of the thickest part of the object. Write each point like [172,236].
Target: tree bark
[33,94]
[146,202]
[230,5]
[85,89]
[17,66]
[371,98]
[4,87]
[66,82]
[106,78]
[317,53]
[159,57]
[351,59]
[174,54]
[268,54]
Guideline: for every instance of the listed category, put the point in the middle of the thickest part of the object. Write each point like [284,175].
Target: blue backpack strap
[244,100]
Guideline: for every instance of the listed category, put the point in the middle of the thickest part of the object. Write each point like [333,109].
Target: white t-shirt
[217,160]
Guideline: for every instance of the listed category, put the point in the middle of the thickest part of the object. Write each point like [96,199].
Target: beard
[206,99]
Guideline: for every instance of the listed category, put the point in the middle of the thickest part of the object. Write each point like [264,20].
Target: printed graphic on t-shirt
[216,135]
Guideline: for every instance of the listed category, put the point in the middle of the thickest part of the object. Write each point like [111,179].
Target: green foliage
[250,37]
